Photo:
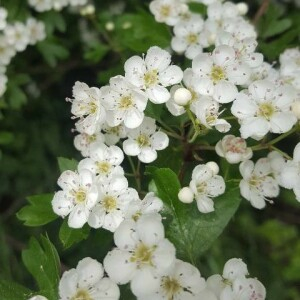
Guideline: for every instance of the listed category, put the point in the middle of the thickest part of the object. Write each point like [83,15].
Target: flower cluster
[15,37]
[45,5]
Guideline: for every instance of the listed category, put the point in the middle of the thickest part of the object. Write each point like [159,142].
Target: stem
[136,172]
[261,11]
[281,152]
[192,139]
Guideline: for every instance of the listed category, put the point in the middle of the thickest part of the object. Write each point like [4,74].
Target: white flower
[142,255]
[87,282]
[104,161]
[219,73]
[153,74]
[206,185]
[3,83]
[36,31]
[188,38]
[263,108]
[277,163]
[38,297]
[206,294]
[183,281]
[78,2]
[257,185]
[3,16]
[290,175]
[145,140]
[244,288]
[234,268]
[150,204]
[113,201]
[233,149]
[83,142]
[207,112]
[112,135]
[168,11]
[78,197]
[124,102]
[87,106]
[17,35]
[41,5]
[263,71]
[7,51]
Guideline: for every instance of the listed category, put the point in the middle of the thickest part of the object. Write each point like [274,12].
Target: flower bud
[186,195]
[296,109]
[182,96]
[109,26]
[242,8]
[213,166]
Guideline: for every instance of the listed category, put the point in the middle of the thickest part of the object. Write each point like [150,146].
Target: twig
[261,11]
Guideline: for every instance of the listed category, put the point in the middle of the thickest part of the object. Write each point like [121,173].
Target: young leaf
[67,164]
[42,261]
[70,236]
[191,231]
[38,212]
[10,290]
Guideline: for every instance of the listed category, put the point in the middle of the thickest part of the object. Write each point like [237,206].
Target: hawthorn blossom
[3,16]
[114,198]
[183,281]
[207,112]
[233,149]
[78,196]
[205,184]
[103,161]
[257,184]
[40,5]
[145,140]
[36,30]
[38,297]
[113,134]
[17,35]
[187,37]
[290,175]
[219,73]
[150,204]
[168,11]
[142,256]
[153,74]
[264,107]
[87,282]
[87,106]
[83,142]
[124,102]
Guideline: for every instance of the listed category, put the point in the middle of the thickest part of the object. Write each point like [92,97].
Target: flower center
[103,167]
[114,130]
[126,102]
[201,187]
[109,203]
[136,216]
[236,145]
[165,10]
[255,181]
[143,140]
[82,295]
[92,107]
[170,286]
[266,110]
[91,138]
[80,195]
[192,38]
[217,74]
[142,255]
[150,78]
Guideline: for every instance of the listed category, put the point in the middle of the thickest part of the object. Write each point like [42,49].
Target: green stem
[282,136]
[136,172]
[281,152]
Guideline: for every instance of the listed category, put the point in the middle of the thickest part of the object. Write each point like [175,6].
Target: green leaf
[42,261]
[13,291]
[38,212]
[53,20]
[191,231]
[67,164]
[198,8]
[52,51]
[70,236]
[96,52]
[6,137]
[277,27]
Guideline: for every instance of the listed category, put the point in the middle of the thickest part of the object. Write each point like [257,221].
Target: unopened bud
[296,109]
[242,8]
[182,96]
[213,166]
[109,26]
[186,195]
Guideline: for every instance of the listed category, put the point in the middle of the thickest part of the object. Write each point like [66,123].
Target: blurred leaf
[139,32]
[199,8]
[15,95]
[6,137]
[38,212]
[42,261]
[13,291]
[153,110]
[52,51]
[277,27]
[191,231]
[96,52]
[53,20]
[70,236]
[67,164]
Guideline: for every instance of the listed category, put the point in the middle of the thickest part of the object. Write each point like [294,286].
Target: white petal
[61,205]
[282,122]
[106,289]
[125,236]
[147,155]
[172,75]
[131,147]
[223,55]
[225,92]
[238,74]
[159,140]
[157,58]
[234,268]
[96,217]
[133,118]
[179,44]
[205,204]
[158,94]
[68,180]
[78,216]
[118,266]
